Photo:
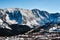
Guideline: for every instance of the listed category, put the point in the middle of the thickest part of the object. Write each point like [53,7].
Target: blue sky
[47,5]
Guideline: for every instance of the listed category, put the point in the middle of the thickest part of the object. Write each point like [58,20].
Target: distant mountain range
[29,18]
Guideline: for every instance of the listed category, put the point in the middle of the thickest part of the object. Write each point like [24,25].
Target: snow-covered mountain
[28,17]
[18,16]
[31,18]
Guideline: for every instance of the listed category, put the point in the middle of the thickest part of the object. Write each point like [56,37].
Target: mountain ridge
[26,17]
[30,18]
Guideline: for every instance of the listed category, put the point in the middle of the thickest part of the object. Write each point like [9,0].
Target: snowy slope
[31,18]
